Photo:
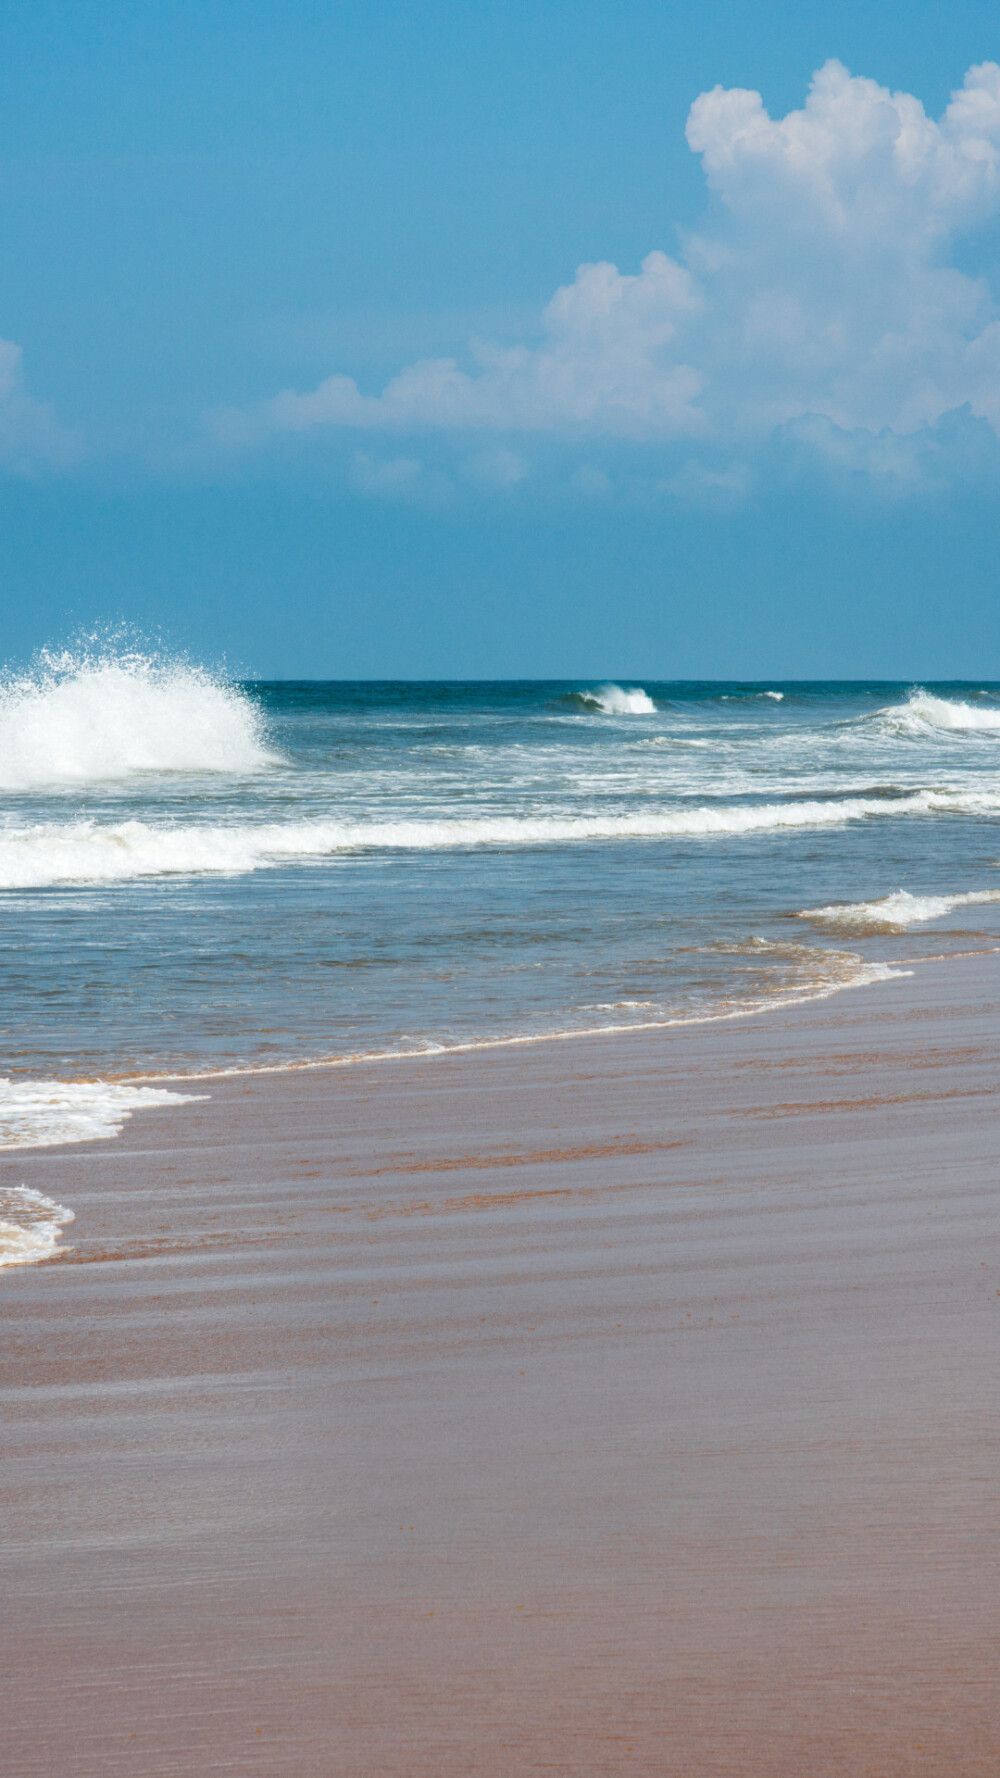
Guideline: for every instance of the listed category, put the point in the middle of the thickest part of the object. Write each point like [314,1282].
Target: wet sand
[613,1405]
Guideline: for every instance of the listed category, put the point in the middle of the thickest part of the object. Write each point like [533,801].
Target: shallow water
[196,875]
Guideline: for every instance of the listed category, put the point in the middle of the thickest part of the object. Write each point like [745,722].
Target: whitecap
[50,853]
[923,711]
[618,700]
[77,718]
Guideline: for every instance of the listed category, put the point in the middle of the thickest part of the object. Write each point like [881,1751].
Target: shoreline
[558,1409]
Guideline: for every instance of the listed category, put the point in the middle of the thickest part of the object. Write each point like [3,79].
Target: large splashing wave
[924,713]
[100,852]
[82,717]
[615,700]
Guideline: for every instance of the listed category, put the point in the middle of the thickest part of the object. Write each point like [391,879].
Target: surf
[896,912]
[615,700]
[77,717]
[924,713]
[50,853]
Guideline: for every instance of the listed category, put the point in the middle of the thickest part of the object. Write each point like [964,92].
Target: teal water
[195,875]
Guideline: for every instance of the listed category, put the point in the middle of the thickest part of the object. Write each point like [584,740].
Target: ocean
[198,875]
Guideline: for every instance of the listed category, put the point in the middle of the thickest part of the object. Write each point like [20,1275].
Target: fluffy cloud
[820,289]
[609,362]
[30,436]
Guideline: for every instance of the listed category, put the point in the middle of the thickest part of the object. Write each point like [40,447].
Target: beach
[605,1404]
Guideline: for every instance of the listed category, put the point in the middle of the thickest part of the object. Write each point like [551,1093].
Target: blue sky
[299,366]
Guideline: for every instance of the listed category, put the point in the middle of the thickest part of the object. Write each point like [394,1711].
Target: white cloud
[605,365]
[819,286]
[30,436]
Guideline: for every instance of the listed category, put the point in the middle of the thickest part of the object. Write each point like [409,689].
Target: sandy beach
[599,1406]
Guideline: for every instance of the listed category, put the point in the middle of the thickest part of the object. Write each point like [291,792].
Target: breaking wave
[94,852]
[77,717]
[616,700]
[893,913]
[30,1225]
[922,711]
[45,1113]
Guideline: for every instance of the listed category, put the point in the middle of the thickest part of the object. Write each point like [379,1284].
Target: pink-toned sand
[622,1405]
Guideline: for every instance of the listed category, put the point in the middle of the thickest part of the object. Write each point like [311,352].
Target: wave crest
[616,700]
[894,913]
[94,852]
[923,711]
[78,717]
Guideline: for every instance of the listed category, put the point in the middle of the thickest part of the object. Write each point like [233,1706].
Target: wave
[30,1225]
[746,697]
[615,700]
[45,1113]
[76,718]
[894,913]
[923,711]
[88,851]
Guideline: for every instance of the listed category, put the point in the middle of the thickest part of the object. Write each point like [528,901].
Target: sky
[431,340]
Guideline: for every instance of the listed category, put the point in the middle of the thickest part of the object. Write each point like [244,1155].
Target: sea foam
[30,1225]
[894,913]
[49,853]
[922,712]
[77,717]
[618,700]
[45,1113]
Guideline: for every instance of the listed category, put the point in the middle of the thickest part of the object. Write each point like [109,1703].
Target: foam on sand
[45,1113]
[894,913]
[77,718]
[30,1225]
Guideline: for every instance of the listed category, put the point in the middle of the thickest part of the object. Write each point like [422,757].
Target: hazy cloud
[30,436]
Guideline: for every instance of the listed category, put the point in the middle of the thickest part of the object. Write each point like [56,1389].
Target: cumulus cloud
[819,298]
[30,436]
[606,364]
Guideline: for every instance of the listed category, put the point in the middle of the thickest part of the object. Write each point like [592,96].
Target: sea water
[198,875]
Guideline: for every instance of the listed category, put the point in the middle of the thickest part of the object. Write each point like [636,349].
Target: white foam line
[866,977]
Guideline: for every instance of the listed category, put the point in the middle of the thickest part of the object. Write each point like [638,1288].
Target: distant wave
[923,711]
[77,717]
[893,913]
[615,700]
[30,1225]
[94,852]
[745,697]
